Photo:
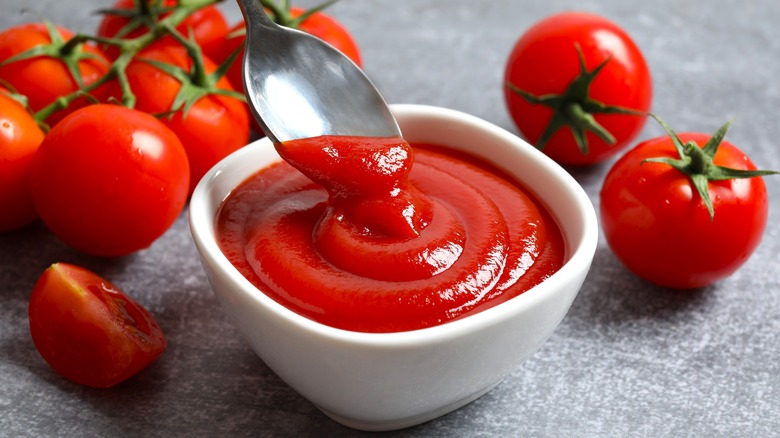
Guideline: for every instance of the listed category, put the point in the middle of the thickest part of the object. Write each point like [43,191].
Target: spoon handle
[298,86]
[254,14]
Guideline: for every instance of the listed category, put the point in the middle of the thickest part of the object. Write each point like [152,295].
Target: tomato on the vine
[326,28]
[318,23]
[233,41]
[577,87]
[684,210]
[208,24]
[210,125]
[88,330]
[34,60]
[109,180]
[20,137]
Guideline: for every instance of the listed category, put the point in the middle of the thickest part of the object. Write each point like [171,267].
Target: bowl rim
[202,227]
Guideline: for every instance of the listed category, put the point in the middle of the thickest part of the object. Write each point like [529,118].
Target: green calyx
[70,53]
[575,108]
[697,163]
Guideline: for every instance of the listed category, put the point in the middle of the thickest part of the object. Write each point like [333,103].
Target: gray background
[630,359]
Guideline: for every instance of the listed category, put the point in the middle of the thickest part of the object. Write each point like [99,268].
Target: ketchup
[374,235]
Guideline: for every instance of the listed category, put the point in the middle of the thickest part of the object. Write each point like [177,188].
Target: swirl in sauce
[372,235]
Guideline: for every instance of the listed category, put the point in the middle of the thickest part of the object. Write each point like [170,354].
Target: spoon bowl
[298,86]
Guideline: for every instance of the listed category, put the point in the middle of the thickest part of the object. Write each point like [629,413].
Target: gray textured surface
[630,359]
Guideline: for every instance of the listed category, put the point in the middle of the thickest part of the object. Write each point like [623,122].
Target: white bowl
[384,381]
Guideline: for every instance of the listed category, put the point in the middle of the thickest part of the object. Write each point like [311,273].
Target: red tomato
[45,78]
[545,64]
[329,30]
[214,126]
[659,226]
[235,38]
[88,330]
[109,180]
[207,24]
[318,24]
[20,137]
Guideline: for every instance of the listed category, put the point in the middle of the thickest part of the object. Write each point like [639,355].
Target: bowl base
[402,423]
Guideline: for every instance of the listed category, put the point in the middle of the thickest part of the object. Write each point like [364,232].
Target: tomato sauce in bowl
[393,379]
[377,235]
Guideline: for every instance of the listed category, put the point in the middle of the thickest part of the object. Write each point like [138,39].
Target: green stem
[198,75]
[281,13]
[586,122]
[700,162]
[72,44]
[119,69]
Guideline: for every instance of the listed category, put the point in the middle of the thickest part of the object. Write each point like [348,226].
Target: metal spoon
[298,86]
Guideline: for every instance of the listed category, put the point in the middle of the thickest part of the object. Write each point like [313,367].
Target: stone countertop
[629,359]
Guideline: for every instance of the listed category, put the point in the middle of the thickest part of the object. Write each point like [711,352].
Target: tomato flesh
[88,330]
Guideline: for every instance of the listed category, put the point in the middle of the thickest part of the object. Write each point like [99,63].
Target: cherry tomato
[326,28]
[213,127]
[20,137]
[88,330]
[659,225]
[571,84]
[44,78]
[319,24]
[208,25]
[235,38]
[109,180]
